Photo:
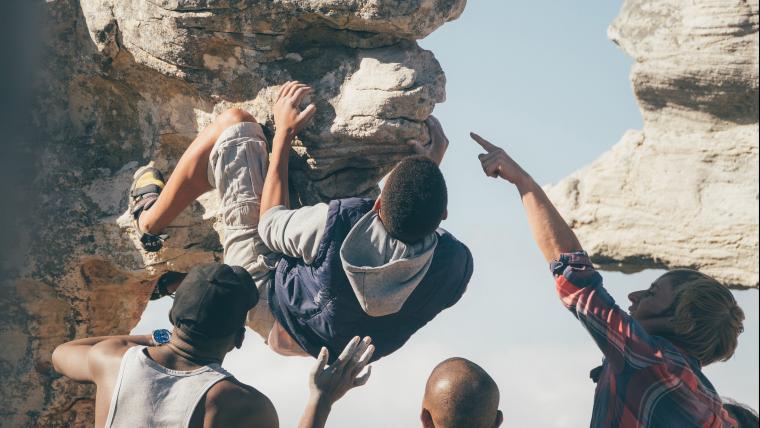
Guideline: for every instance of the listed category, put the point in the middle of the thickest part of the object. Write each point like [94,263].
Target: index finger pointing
[483,143]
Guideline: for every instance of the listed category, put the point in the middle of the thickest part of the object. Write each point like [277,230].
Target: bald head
[459,393]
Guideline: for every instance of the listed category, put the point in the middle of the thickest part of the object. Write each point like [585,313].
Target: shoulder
[450,247]
[360,204]
[104,358]
[236,404]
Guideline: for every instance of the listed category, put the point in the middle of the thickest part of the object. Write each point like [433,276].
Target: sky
[544,82]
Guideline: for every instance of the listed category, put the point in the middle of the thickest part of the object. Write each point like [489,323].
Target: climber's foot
[143,193]
[167,284]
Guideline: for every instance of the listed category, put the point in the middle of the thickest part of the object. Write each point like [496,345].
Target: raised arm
[327,384]
[72,359]
[552,235]
[622,339]
[288,121]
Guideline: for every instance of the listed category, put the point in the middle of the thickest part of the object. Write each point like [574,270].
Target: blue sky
[542,81]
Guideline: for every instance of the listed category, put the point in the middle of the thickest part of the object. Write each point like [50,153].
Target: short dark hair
[413,200]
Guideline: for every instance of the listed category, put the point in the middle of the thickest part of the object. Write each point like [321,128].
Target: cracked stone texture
[123,82]
[683,192]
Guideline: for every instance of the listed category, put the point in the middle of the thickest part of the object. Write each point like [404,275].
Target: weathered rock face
[684,191]
[123,82]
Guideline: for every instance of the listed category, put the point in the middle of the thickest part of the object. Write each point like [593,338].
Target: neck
[187,352]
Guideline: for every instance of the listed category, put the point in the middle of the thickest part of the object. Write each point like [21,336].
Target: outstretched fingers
[361,358]
[300,92]
[487,146]
[347,355]
[361,380]
[293,89]
[285,88]
[307,114]
[324,355]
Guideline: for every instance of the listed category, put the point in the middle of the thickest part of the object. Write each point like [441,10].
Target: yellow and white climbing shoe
[146,186]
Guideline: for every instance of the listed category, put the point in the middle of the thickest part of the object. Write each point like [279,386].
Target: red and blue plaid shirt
[645,380]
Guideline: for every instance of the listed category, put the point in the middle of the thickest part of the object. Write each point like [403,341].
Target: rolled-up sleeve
[294,233]
[621,338]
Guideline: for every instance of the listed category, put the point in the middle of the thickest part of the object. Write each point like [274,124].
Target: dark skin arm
[552,235]
[288,121]
[76,360]
[328,384]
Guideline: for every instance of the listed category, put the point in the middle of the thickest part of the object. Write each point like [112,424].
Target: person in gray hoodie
[326,272]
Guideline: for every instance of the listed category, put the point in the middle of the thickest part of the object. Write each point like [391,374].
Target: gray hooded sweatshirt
[382,270]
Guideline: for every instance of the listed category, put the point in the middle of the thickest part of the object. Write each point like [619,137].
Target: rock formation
[122,82]
[684,191]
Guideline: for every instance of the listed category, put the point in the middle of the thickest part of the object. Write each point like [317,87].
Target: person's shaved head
[459,393]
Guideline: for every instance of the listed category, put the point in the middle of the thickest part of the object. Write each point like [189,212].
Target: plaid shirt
[645,380]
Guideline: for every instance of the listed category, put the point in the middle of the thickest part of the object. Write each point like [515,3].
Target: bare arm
[288,120]
[329,384]
[552,235]
[72,358]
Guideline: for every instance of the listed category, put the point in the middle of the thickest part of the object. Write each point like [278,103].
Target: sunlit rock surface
[683,192]
[123,82]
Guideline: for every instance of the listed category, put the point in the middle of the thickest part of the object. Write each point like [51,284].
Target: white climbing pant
[237,169]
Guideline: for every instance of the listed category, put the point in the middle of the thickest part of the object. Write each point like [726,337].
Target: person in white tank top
[176,379]
[177,382]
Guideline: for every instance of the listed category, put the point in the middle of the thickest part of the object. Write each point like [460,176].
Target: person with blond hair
[651,375]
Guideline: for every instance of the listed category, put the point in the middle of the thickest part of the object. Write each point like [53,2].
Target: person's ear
[499,419]
[239,337]
[427,419]
[376,207]
[445,214]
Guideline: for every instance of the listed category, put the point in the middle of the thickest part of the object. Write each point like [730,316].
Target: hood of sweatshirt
[382,270]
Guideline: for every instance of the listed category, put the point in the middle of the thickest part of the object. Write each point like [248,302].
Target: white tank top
[148,394]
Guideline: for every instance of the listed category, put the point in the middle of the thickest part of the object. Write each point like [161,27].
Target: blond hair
[707,320]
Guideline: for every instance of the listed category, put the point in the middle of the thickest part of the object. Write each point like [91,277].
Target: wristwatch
[161,336]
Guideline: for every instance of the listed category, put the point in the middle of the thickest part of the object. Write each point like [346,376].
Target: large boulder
[124,82]
[684,191]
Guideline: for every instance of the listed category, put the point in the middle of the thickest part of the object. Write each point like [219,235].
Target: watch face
[161,336]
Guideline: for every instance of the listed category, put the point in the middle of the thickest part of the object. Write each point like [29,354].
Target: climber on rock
[327,272]
[651,375]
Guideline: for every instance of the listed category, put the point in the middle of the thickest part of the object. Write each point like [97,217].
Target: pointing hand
[497,163]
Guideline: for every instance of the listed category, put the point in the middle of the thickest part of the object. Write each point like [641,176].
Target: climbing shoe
[167,284]
[147,185]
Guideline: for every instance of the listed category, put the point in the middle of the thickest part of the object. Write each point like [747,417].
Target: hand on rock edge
[288,118]
[436,148]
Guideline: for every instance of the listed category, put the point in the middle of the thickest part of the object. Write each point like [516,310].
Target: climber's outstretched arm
[288,121]
[552,235]
[76,359]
